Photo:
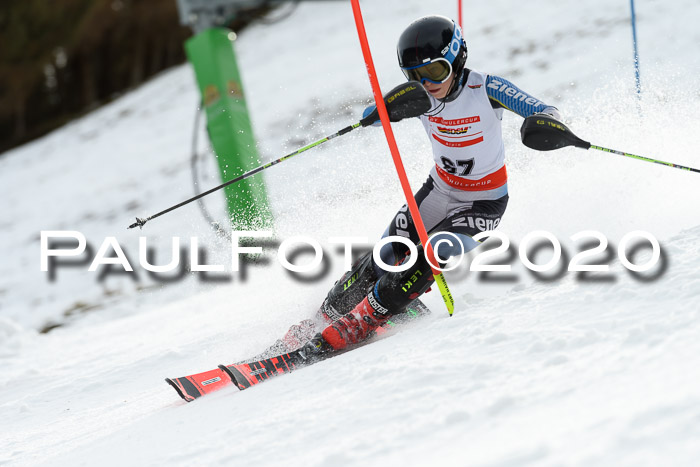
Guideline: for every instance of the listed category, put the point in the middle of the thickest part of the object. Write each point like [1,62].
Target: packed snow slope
[558,369]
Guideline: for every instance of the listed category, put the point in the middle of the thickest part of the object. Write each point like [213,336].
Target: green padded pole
[213,57]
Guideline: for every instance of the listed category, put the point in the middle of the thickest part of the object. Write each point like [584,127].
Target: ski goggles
[437,71]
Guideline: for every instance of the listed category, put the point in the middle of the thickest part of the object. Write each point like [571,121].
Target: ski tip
[180,392]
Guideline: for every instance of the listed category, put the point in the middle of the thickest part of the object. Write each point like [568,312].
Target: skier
[465,193]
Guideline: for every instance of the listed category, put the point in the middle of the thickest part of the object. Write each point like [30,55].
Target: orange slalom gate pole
[408,193]
[459,15]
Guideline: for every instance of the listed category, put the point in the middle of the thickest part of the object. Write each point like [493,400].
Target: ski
[245,375]
[194,386]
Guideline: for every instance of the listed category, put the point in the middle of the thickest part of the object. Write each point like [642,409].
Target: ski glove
[544,133]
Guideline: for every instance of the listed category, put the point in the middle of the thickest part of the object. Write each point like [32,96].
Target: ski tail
[195,386]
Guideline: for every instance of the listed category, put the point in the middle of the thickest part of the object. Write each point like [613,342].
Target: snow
[581,370]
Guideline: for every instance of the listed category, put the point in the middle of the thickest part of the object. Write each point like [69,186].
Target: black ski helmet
[430,38]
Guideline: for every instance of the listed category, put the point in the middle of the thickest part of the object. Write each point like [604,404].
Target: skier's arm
[504,94]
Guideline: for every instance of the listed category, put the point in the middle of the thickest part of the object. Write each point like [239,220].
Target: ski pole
[642,158]
[404,101]
[140,222]
[544,133]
